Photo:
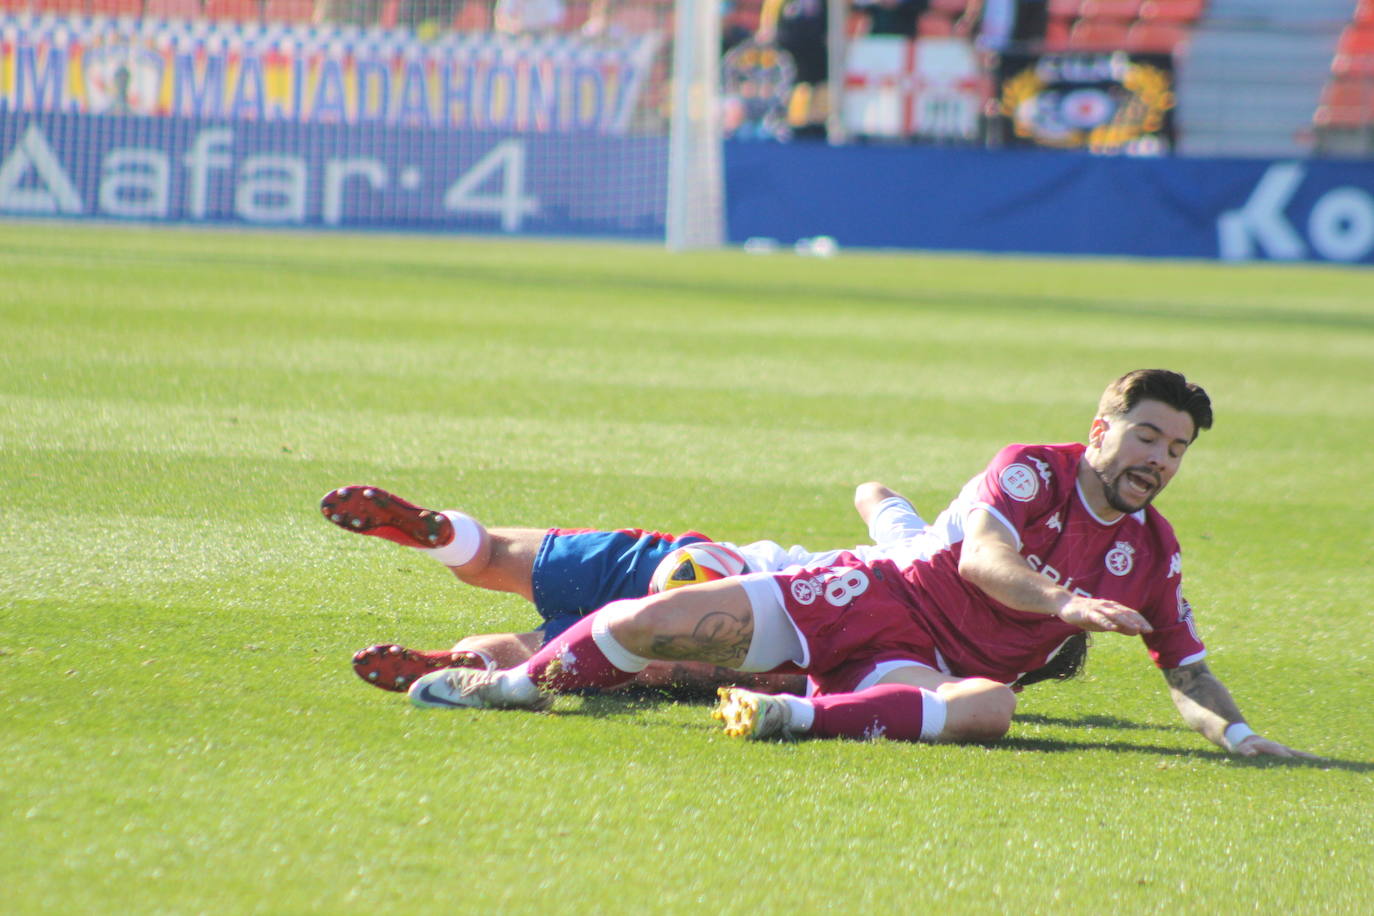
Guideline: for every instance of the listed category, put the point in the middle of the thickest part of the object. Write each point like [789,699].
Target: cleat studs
[356,523]
[400,680]
[372,675]
[433,538]
[369,493]
[394,650]
[336,517]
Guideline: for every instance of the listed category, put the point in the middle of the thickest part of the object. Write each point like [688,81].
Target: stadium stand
[233,10]
[60,7]
[472,16]
[1343,122]
[1119,10]
[1185,11]
[298,12]
[1254,75]
[1141,26]
[127,8]
[1098,35]
[1157,36]
[172,9]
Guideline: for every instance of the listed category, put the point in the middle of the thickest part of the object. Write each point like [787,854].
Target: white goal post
[695,216]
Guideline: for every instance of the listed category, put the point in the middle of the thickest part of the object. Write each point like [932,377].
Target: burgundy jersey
[1033,490]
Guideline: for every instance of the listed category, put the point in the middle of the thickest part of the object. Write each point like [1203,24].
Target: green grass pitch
[181,730]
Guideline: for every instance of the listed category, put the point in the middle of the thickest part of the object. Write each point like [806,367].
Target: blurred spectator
[354,12]
[522,17]
[619,18]
[891,17]
[1004,24]
[799,28]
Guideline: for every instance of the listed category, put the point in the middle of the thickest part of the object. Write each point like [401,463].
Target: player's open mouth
[1141,481]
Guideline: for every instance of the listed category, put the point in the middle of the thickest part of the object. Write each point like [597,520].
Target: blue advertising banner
[331,175]
[1052,202]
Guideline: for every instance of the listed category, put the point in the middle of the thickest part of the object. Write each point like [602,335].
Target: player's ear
[1097,431]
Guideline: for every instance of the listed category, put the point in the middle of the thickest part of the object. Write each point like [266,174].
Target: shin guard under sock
[895,711]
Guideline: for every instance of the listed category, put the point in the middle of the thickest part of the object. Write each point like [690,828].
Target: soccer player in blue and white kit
[1049,541]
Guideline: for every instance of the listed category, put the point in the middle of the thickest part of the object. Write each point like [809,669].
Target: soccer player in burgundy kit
[1047,542]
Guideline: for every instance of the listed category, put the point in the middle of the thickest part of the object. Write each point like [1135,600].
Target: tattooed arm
[1206,705]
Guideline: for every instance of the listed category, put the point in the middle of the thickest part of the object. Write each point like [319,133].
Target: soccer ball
[694,564]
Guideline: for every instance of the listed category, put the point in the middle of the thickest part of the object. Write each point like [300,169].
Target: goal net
[400,114]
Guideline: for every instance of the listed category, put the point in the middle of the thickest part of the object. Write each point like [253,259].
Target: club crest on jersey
[1120,559]
[804,591]
[1019,482]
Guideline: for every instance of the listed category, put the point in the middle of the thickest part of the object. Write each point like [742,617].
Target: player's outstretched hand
[1101,616]
[1260,746]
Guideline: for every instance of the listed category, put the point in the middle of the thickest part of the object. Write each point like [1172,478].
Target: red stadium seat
[1173,10]
[1057,34]
[60,7]
[1122,10]
[1098,35]
[14,6]
[172,9]
[1364,14]
[233,10]
[1064,9]
[952,9]
[934,25]
[1157,37]
[1354,53]
[1346,103]
[129,8]
[472,16]
[297,12]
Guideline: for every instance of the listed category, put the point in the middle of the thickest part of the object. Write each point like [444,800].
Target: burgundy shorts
[852,618]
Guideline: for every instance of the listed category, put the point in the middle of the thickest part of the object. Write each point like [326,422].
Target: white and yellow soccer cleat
[747,714]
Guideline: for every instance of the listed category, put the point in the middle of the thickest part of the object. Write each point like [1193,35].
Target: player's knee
[869,493]
[868,496]
[978,710]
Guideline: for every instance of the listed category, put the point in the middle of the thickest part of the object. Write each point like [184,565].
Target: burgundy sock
[573,660]
[886,711]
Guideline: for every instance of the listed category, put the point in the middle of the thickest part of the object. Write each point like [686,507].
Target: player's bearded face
[1138,453]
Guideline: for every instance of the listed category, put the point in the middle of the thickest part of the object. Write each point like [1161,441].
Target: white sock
[933,712]
[610,647]
[517,686]
[467,538]
[803,714]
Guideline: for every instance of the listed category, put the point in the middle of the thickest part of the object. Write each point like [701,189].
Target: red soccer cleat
[372,510]
[392,667]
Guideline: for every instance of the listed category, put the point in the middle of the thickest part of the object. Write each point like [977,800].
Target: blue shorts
[580,570]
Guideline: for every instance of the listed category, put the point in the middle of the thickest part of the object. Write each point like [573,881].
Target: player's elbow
[973,563]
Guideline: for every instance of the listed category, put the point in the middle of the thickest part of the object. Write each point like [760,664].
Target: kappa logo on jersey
[1120,559]
[804,591]
[1019,482]
[1053,523]
[1043,467]
[1175,566]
